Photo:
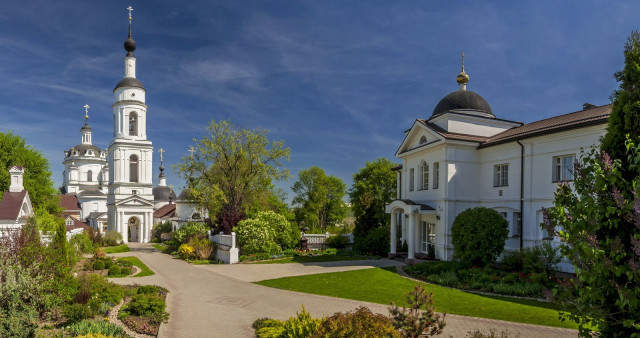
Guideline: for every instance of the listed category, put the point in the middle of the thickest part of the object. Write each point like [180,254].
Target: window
[427,236]
[516,225]
[436,174]
[133,124]
[411,179]
[68,221]
[134,192]
[501,175]
[423,139]
[424,176]
[503,214]
[89,176]
[133,168]
[563,168]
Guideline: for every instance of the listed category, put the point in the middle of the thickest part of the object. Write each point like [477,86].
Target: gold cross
[161,151]
[462,53]
[130,9]
[86,112]
[191,150]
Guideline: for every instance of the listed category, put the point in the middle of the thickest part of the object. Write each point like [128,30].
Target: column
[411,241]
[393,236]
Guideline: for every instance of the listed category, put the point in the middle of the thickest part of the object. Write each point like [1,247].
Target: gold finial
[86,113]
[130,9]
[462,78]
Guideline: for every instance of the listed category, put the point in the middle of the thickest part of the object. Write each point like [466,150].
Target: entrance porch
[416,224]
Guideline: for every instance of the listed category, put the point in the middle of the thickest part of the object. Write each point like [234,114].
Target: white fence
[316,241]
[226,250]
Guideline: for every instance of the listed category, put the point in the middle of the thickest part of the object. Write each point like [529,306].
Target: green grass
[116,249]
[384,285]
[144,270]
[312,259]
[161,247]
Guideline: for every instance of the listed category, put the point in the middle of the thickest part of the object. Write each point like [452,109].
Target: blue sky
[338,81]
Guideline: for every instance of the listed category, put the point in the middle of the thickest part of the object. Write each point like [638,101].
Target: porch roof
[409,206]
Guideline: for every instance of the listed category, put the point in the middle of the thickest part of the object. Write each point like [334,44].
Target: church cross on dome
[462,78]
[130,9]
[86,112]
[191,150]
[161,151]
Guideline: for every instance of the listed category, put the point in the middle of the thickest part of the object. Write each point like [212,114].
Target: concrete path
[219,301]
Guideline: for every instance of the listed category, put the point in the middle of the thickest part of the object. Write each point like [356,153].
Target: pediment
[417,137]
[134,201]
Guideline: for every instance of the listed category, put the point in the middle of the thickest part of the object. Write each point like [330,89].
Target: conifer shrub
[359,323]
[112,238]
[337,241]
[115,270]
[415,322]
[125,271]
[98,265]
[478,235]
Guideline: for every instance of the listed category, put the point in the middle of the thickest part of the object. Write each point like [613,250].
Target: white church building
[463,156]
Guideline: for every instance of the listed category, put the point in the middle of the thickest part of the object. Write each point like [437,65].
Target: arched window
[424,176]
[133,124]
[133,168]
[423,139]
[89,176]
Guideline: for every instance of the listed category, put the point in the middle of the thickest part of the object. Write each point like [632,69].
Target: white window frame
[424,176]
[68,221]
[501,175]
[562,168]
[427,236]
[436,174]
[411,179]
[516,224]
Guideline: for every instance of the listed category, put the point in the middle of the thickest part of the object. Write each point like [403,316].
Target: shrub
[108,262]
[360,323]
[492,333]
[99,253]
[376,241]
[81,243]
[148,305]
[202,246]
[77,312]
[185,251]
[148,289]
[112,238]
[302,325]
[265,322]
[125,271]
[411,321]
[98,265]
[256,236]
[115,270]
[448,278]
[161,228]
[478,235]
[337,242]
[267,327]
[185,232]
[90,328]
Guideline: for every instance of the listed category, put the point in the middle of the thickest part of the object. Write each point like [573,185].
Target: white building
[15,207]
[462,156]
[130,157]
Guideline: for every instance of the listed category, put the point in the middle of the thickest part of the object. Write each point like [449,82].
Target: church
[114,187]
[464,156]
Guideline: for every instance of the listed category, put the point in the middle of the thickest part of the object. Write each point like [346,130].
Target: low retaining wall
[226,250]
[316,241]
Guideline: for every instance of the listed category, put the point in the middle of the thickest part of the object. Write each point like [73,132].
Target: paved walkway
[220,301]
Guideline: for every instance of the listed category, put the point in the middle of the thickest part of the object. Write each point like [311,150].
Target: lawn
[312,259]
[116,249]
[161,247]
[145,271]
[384,285]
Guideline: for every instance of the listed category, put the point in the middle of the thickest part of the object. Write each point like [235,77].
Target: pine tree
[625,110]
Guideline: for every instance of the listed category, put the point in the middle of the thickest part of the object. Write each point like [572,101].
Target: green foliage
[148,305]
[112,238]
[542,258]
[162,228]
[625,110]
[46,222]
[360,323]
[37,173]
[598,220]
[128,261]
[115,270]
[20,296]
[374,186]
[202,247]
[185,251]
[318,198]
[231,168]
[185,232]
[337,242]
[116,249]
[376,241]
[267,233]
[98,265]
[77,312]
[300,326]
[492,333]
[478,235]
[87,327]
[81,243]
[413,322]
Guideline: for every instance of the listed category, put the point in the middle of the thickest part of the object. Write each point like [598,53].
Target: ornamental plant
[267,232]
[186,231]
[598,220]
[359,323]
[415,322]
[478,235]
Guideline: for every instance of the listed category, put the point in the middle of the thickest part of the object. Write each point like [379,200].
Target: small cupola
[16,173]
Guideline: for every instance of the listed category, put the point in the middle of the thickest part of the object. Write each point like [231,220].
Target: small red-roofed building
[15,206]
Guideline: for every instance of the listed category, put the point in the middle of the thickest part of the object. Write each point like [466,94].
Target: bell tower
[130,155]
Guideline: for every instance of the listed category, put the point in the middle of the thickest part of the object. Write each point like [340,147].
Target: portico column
[412,240]
[393,236]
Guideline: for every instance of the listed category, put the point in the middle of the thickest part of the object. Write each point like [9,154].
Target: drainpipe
[521,192]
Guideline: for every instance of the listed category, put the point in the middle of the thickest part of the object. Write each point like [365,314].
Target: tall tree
[231,168]
[318,198]
[374,186]
[625,110]
[37,174]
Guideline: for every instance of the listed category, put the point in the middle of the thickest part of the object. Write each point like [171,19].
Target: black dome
[129,82]
[463,100]
[162,193]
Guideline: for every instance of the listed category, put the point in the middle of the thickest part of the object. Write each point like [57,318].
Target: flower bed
[145,309]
